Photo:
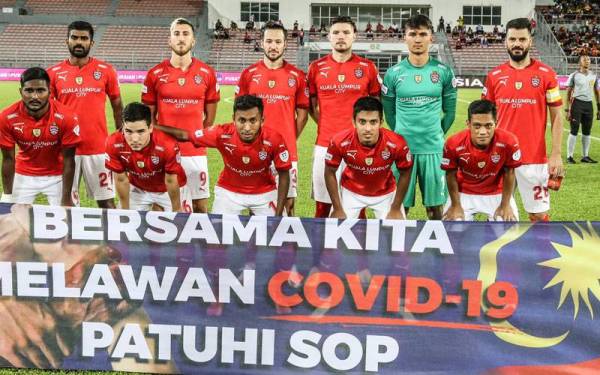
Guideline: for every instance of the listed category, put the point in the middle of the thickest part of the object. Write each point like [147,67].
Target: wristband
[6,198]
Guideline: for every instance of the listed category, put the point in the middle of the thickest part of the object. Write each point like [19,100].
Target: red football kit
[521,97]
[337,86]
[282,91]
[180,97]
[84,90]
[40,141]
[246,165]
[481,172]
[147,167]
[368,170]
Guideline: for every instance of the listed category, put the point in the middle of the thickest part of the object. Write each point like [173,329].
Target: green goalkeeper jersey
[420,103]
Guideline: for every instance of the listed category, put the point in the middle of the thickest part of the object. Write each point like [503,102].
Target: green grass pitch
[578,198]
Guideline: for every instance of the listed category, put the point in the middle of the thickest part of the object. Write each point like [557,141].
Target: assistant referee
[583,85]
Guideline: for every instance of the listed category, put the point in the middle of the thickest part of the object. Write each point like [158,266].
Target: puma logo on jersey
[464,158]
[352,154]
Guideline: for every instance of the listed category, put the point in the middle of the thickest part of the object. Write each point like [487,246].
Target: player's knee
[106,203]
[540,216]
[434,213]
[200,206]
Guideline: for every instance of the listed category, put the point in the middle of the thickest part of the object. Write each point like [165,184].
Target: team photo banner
[94,289]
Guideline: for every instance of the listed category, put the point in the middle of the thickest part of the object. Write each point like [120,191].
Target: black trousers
[581,113]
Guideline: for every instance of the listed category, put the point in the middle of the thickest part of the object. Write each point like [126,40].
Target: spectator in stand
[479,29]
[295,30]
[218,25]
[501,31]
[440,28]
[301,37]
[250,25]
[247,38]
[379,29]
[369,31]
[483,41]
[256,46]
[495,30]
[461,23]
[448,28]
[323,30]
[313,29]
[458,45]
[233,26]
[470,33]
[455,32]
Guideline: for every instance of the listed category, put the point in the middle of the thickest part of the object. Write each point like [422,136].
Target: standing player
[183,92]
[283,89]
[369,152]
[419,99]
[47,133]
[335,82]
[480,167]
[522,89]
[583,87]
[83,83]
[146,163]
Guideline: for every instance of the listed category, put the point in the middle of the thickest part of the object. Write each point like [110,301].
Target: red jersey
[282,91]
[40,141]
[369,169]
[480,171]
[247,166]
[521,97]
[180,97]
[147,167]
[337,86]
[84,90]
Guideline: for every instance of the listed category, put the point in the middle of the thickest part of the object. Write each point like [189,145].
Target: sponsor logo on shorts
[517,155]
[495,158]
[284,156]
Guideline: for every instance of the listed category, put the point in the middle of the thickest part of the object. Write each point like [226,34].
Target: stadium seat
[87,7]
[159,8]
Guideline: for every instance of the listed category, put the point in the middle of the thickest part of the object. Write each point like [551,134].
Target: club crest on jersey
[368,161]
[535,81]
[341,78]
[481,164]
[262,155]
[140,163]
[246,159]
[271,83]
[291,82]
[385,154]
[155,159]
[197,79]
[37,132]
[495,158]
[358,73]
[518,85]
[435,77]
[97,75]
[418,78]
[181,81]
[53,129]
[79,80]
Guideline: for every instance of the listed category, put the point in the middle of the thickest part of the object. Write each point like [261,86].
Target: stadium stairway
[112,8]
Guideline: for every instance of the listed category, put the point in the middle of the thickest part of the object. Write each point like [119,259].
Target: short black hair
[368,104]
[519,24]
[136,111]
[181,21]
[273,25]
[481,107]
[81,26]
[343,19]
[33,74]
[419,21]
[246,102]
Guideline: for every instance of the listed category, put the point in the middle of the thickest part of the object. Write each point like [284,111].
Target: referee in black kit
[583,85]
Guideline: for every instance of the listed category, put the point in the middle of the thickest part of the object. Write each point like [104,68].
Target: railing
[550,50]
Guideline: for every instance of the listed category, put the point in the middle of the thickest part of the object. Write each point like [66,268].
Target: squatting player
[480,167]
[419,100]
[522,89]
[146,164]
[82,83]
[369,152]
[335,82]
[183,92]
[47,133]
[283,89]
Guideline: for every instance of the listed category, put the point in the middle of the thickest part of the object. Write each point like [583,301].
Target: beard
[79,53]
[181,52]
[519,58]
[273,59]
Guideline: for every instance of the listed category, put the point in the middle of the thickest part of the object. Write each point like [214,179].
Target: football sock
[585,142]
[571,145]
